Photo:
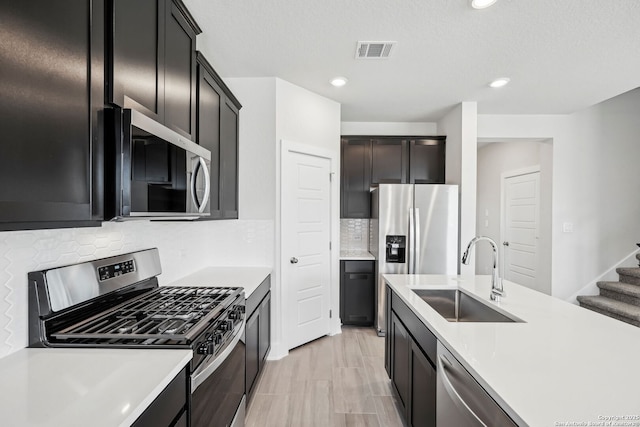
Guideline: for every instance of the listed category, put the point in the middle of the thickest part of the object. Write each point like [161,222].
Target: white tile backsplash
[184,247]
[354,234]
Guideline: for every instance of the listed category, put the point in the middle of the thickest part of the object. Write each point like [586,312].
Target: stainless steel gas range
[116,302]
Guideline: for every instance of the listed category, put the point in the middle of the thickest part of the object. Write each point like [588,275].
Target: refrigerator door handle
[416,242]
[412,243]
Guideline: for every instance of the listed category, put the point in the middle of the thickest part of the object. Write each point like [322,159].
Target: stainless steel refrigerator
[413,230]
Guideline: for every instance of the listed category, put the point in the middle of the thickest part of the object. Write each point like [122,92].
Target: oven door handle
[203,372]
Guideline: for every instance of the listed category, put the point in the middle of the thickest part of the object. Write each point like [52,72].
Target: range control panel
[107,272]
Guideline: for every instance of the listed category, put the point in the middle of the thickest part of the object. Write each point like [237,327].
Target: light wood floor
[333,381]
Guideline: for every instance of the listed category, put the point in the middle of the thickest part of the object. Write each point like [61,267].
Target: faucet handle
[505,243]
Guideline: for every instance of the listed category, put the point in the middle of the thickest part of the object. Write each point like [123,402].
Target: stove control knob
[217,338]
[234,315]
[205,348]
[225,325]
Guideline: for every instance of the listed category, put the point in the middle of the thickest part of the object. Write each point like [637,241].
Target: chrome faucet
[496,282]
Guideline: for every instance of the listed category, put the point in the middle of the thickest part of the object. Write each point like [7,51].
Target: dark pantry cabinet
[368,161]
[217,131]
[151,63]
[51,63]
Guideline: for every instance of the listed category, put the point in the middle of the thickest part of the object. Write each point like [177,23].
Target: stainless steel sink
[456,306]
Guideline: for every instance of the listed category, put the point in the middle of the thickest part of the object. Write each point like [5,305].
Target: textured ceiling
[561,55]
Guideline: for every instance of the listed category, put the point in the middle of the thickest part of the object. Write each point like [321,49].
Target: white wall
[256,153]
[460,127]
[306,118]
[493,160]
[595,184]
[274,110]
[184,247]
[389,128]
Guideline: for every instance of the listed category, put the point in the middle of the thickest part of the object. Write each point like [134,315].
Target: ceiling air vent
[374,50]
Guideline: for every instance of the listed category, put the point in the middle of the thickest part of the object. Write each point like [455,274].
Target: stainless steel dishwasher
[460,400]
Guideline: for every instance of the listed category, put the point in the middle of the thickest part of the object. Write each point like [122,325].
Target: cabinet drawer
[359,266]
[423,336]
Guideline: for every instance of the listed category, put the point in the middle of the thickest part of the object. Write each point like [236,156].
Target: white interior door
[306,236]
[521,228]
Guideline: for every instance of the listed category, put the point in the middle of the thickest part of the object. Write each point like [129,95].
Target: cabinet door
[52,60]
[357,292]
[422,402]
[252,333]
[264,340]
[388,161]
[400,347]
[229,160]
[388,355]
[426,161]
[208,131]
[180,72]
[136,78]
[355,201]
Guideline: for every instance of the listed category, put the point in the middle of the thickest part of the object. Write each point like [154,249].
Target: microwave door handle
[207,185]
[192,186]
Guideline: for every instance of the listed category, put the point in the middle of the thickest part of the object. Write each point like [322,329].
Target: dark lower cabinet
[217,131]
[410,360]
[357,292]
[51,145]
[257,333]
[400,347]
[421,410]
[170,408]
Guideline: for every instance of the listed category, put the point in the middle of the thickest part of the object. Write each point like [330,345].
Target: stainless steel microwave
[155,172]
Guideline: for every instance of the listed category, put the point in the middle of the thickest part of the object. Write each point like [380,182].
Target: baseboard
[610,275]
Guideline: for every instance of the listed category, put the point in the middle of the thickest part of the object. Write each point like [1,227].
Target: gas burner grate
[166,313]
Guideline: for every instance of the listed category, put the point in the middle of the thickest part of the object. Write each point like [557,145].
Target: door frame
[503,232]
[281,310]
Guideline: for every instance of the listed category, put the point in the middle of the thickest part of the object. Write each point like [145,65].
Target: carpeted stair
[620,300]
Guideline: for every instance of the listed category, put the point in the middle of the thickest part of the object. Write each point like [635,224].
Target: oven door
[217,387]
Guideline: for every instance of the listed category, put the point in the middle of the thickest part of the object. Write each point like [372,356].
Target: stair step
[629,275]
[619,291]
[616,309]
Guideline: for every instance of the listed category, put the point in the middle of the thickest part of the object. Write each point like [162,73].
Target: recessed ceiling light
[339,81]
[502,81]
[482,4]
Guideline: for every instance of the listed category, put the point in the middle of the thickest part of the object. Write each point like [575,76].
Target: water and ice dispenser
[396,248]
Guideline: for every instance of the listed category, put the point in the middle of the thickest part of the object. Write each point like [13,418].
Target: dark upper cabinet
[426,161]
[51,62]
[217,131]
[389,161]
[229,160]
[151,61]
[180,70]
[355,200]
[369,161]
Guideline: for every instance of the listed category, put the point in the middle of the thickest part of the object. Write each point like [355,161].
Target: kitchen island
[563,365]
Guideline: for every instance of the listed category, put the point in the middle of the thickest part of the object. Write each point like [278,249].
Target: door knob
[293,260]
[505,243]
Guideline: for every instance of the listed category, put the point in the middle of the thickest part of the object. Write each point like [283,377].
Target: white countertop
[356,255]
[565,364]
[227,277]
[83,387]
